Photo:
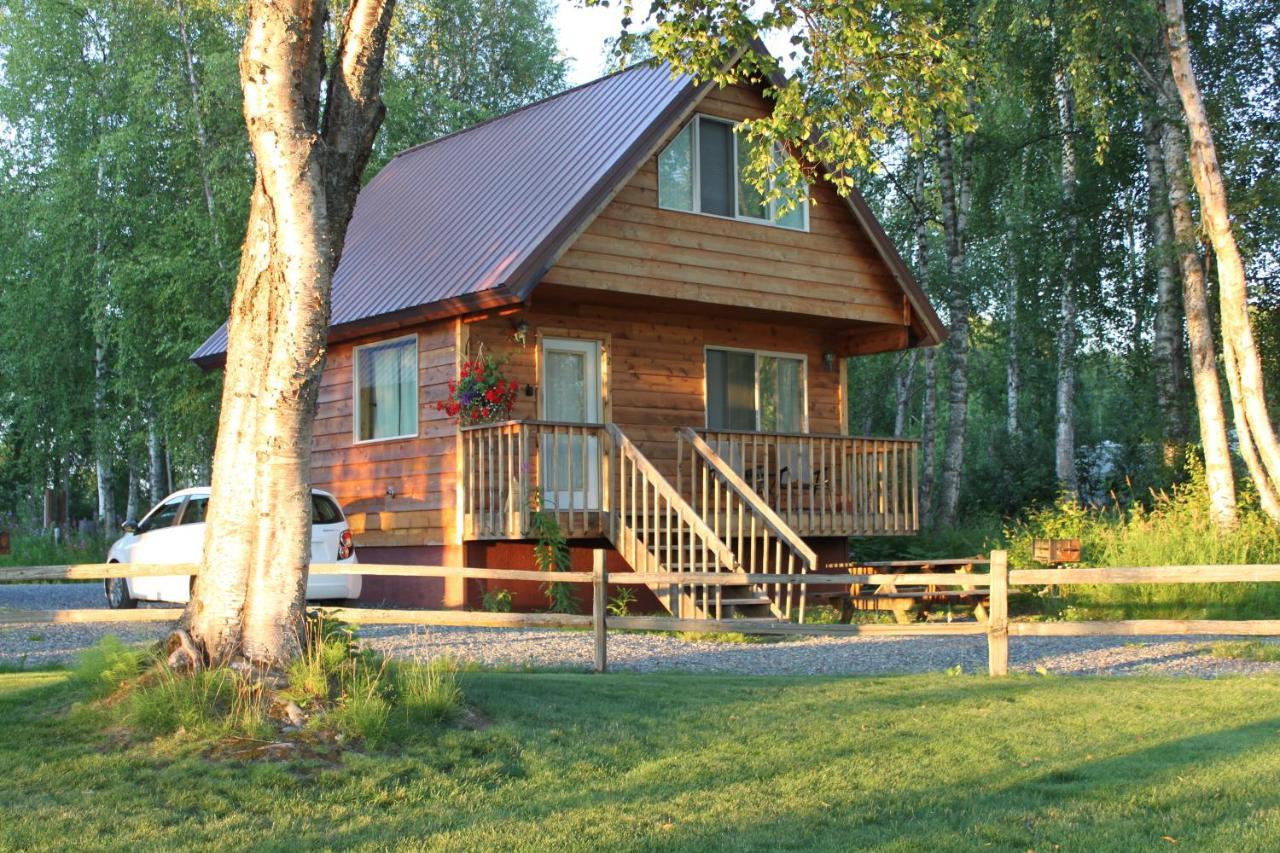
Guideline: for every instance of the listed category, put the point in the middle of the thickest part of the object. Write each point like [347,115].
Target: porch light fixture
[520,332]
[829,361]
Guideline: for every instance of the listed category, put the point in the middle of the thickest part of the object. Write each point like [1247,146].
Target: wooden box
[1051,551]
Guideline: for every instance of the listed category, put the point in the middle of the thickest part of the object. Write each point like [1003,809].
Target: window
[702,168]
[162,516]
[196,512]
[324,511]
[386,389]
[755,391]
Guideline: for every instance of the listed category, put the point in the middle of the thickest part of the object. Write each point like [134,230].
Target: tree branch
[353,108]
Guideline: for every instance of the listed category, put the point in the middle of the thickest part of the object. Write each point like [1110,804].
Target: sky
[582,32]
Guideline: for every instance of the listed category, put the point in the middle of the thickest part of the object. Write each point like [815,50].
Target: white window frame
[355,390]
[695,150]
[755,372]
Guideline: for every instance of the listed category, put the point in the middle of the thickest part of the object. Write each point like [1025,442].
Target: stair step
[744,602]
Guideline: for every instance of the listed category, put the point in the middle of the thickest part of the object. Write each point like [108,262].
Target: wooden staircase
[724,527]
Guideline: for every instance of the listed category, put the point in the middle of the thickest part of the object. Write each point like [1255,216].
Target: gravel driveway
[636,652]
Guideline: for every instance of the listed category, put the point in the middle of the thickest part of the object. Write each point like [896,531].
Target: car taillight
[346,547]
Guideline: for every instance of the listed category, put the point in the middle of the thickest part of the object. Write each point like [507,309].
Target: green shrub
[109,665]
[38,549]
[620,604]
[498,601]
[1175,530]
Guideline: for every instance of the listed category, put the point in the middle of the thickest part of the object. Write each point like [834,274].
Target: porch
[814,484]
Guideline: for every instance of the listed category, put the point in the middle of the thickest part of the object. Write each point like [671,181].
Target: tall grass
[1174,530]
[346,694]
[39,549]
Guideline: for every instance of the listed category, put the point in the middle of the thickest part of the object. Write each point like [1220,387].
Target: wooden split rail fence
[997,628]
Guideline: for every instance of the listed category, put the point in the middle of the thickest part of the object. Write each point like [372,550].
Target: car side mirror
[129,526]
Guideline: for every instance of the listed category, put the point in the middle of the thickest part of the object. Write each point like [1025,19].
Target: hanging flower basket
[480,394]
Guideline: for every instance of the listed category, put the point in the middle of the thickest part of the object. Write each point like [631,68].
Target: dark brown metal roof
[475,219]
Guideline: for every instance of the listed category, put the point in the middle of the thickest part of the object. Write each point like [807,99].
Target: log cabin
[680,349]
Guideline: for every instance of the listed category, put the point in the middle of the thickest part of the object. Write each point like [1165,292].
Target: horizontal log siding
[656,368]
[421,469]
[636,247]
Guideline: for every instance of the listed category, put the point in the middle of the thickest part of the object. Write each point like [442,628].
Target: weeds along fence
[997,628]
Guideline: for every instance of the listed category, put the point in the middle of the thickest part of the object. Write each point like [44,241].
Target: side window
[324,511]
[196,512]
[162,516]
[386,389]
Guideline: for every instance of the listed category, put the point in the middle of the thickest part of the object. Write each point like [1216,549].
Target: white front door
[571,393]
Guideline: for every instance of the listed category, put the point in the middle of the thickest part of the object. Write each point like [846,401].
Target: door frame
[605,341]
[589,498]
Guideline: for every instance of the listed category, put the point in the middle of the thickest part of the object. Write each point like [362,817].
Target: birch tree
[311,135]
[1255,432]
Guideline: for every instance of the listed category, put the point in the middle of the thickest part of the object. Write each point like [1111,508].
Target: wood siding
[654,364]
[635,247]
[420,470]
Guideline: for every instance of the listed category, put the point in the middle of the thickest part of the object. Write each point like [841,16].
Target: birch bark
[248,599]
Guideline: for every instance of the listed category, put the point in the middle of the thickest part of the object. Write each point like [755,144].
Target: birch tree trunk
[954,219]
[1242,357]
[1219,478]
[1013,379]
[929,406]
[928,429]
[1167,355]
[106,516]
[1064,432]
[132,492]
[902,392]
[156,467]
[248,600]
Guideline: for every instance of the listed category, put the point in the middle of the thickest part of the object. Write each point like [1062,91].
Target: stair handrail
[733,480]
[687,514]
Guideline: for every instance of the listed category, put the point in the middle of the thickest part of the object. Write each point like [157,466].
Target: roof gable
[474,219]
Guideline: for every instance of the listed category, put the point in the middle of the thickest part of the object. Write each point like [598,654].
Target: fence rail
[997,628]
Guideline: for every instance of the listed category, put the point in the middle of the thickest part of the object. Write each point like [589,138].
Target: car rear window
[324,511]
[197,509]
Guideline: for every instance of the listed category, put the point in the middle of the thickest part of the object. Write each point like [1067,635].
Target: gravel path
[572,650]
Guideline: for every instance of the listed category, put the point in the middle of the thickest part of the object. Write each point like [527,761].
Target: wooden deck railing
[504,463]
[762,542]
[828,485]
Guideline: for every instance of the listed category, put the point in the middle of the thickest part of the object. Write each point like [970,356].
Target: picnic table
[909,601]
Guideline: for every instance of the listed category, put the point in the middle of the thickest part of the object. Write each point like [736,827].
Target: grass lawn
[686,761]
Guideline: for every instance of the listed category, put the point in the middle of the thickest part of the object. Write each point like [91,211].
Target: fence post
[599,596]
[998,620]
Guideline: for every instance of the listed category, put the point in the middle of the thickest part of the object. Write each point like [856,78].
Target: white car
[173,532]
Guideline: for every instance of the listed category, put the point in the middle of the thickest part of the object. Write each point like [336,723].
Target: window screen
[387,390]
[716,167]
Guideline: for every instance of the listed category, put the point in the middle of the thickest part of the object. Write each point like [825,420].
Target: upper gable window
[701,170]
[386,389]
